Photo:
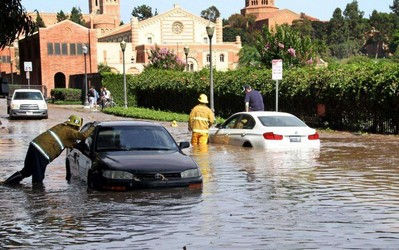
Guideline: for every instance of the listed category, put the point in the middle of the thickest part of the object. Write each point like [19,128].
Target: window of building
[57,48]
[80,49]
[208,58]
[9,59]
[65,49]
[206,40]
[3,59]
[96,2]
[50,48]
[72,49]
[149,40]
[191,67]
[222,58]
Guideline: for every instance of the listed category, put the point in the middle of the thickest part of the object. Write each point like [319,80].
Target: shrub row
[358,96]
[66,94]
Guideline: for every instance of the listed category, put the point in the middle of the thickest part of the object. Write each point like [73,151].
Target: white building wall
[111,54]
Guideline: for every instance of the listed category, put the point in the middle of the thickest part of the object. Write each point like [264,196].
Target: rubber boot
[14,179]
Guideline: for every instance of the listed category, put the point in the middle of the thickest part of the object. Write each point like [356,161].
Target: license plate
[29,113]
[295,139]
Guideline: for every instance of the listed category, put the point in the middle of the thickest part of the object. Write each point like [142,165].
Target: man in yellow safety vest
[201,118]
[48,146]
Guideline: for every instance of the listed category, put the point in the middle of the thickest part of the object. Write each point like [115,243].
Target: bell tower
[105,15]
[259,8]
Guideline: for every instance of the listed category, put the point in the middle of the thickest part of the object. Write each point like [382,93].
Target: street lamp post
[123,47]
[210,31]
[85,51]
[186,51]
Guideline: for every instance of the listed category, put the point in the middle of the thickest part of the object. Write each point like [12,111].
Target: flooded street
[345,195]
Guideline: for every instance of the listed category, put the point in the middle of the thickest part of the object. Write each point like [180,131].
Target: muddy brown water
[345,195]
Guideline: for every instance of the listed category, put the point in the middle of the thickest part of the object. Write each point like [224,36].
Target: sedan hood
[147,161]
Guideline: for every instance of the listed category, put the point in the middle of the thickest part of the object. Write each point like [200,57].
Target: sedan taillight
[272,136]
[314,137]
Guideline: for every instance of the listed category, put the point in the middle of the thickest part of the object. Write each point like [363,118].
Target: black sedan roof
[127,123]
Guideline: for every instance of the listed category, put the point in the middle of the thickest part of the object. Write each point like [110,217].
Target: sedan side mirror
[184,144]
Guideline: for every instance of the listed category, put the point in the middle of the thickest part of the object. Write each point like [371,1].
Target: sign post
[28,69]
[277,74]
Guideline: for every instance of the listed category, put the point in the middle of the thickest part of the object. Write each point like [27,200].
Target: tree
[337,28]
[14,22]
[76,16]
[142,12]
[212,13]
[61,16]
[303,26]
[354,19]
[287,44]
[39,23]
[249,57]
[104,68]
[395,7]
[165,59]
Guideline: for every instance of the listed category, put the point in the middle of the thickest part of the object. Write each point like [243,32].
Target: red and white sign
[277,69]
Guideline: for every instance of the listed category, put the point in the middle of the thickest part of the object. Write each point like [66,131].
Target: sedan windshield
[28,96]
[130,138]
[281,121]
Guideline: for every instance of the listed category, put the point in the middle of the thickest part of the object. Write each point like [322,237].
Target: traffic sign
[277,69]
[28,66]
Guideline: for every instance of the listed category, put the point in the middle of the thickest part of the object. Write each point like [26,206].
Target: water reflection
[344,195]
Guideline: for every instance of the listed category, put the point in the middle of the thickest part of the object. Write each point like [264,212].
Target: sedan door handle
[243,134]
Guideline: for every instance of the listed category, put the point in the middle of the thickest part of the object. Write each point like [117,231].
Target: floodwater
[345,195]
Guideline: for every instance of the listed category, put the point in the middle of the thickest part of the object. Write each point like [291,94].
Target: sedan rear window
[134,138]
[28,96]
[281,121]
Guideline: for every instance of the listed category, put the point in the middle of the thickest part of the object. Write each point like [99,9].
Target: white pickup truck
[27,103]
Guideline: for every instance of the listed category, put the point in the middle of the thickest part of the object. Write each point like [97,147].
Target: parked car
[264,130]
[129,155]
[27,103]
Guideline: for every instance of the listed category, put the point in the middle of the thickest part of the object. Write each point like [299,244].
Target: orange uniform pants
[199,139]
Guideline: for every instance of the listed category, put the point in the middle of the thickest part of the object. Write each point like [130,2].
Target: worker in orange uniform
[201,118]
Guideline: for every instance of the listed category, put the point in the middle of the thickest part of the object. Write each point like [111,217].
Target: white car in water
[266,130]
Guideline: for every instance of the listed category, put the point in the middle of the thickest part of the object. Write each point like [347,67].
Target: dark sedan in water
[130,154]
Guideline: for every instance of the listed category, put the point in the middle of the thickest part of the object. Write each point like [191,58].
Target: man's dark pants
[35,164]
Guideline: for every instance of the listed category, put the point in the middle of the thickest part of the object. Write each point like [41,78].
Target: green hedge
[358,96]
[114,83]
[66,94]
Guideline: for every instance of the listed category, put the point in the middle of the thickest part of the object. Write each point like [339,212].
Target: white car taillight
[314,137]
[272,136]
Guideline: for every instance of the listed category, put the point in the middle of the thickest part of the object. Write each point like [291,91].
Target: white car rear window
[281,121]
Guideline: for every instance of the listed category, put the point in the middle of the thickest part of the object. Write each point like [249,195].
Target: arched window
[149,40]
[221,58]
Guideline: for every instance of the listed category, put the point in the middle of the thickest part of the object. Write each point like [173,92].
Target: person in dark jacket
[48,146]
[253,100]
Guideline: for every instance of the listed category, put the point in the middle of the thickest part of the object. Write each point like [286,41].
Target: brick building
[7,60]
[104,16]
[56,53]
[267,14]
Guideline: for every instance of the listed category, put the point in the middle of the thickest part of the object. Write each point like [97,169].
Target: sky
[321,9]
